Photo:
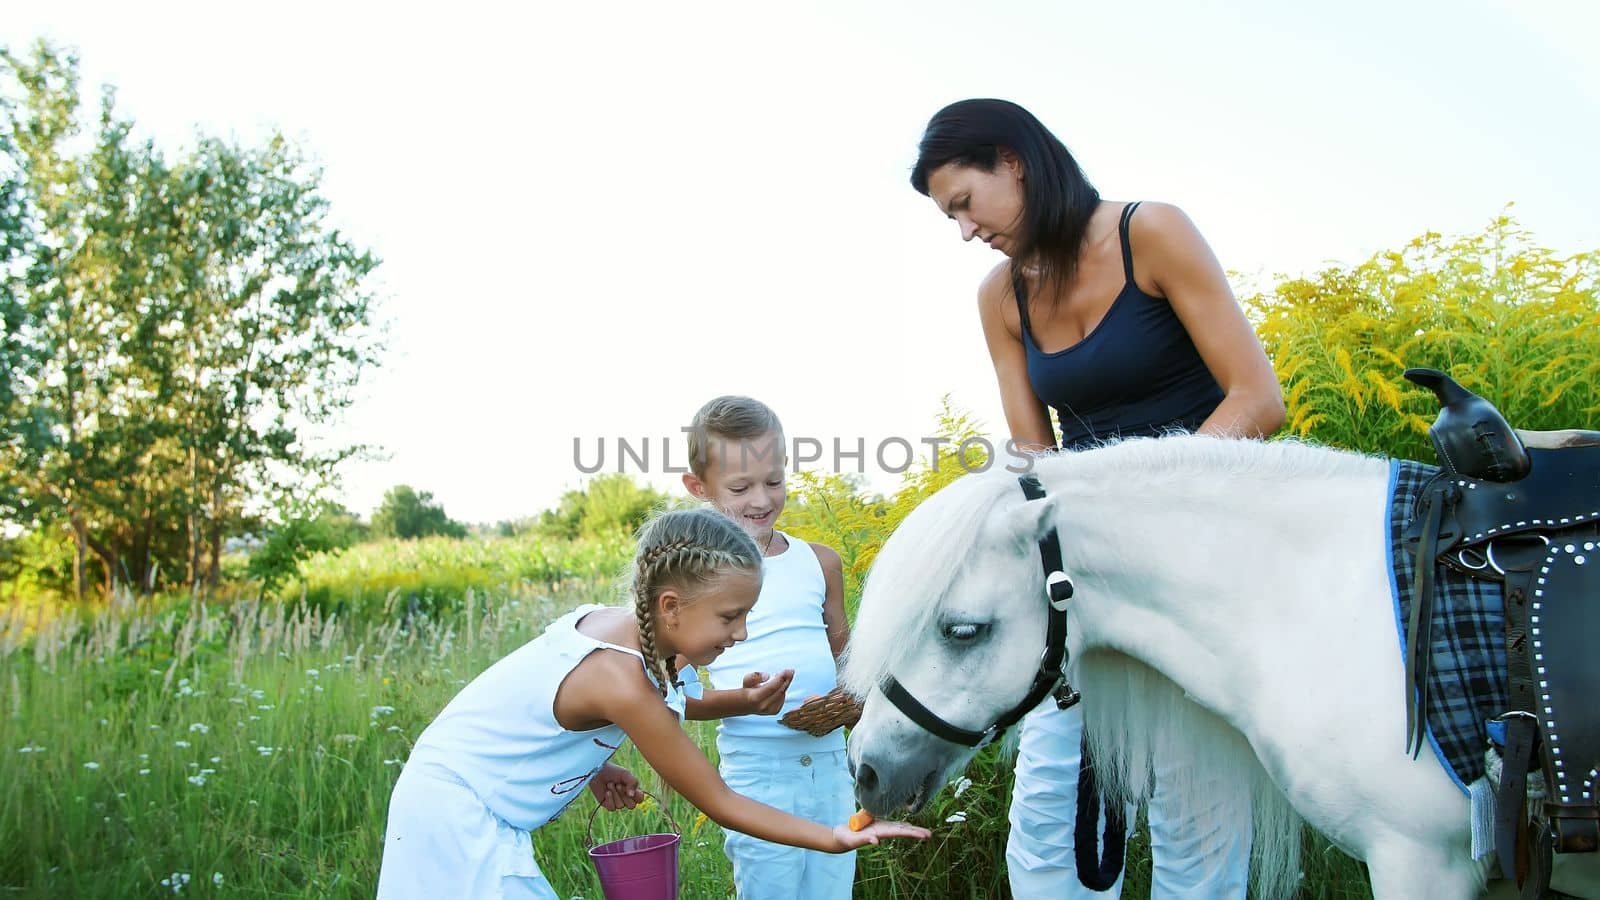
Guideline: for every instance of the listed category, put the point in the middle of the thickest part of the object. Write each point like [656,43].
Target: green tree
[182,326]
[409,513]
[607,505]
[301,533]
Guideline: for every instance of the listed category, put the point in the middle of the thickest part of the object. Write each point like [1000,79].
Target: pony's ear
[1033,520]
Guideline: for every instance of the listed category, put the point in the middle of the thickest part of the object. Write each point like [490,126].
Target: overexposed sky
[593,217]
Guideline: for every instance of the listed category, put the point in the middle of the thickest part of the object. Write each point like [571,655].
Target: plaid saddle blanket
[1467,675]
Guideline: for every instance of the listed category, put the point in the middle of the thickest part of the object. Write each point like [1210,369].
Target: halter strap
[1050,678]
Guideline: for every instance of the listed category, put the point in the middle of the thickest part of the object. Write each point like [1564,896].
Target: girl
[519,743]
[1123,323]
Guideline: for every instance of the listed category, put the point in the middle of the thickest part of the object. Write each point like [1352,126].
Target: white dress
[492,767]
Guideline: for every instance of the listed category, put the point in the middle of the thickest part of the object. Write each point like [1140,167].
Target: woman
[1118,317]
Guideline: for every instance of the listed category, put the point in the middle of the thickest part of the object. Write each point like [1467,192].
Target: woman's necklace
[768,545]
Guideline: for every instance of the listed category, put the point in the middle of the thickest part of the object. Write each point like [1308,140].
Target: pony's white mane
[907,584]
[1134,715]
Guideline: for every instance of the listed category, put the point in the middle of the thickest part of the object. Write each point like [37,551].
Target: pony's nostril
[866,778]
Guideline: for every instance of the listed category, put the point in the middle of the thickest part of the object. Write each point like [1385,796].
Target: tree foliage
[607,505]
[409,513]
[175,325]
[299,535]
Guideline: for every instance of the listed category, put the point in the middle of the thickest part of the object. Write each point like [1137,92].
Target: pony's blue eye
[962,632]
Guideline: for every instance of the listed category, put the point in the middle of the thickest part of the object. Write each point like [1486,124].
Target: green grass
[259,746]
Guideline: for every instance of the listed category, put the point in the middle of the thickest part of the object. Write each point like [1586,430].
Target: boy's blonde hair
[684,550]
[729,417]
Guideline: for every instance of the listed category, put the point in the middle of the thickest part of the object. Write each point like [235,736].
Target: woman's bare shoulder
[1157,221]
[996,286]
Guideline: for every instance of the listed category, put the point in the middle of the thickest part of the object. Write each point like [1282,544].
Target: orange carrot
[860,820]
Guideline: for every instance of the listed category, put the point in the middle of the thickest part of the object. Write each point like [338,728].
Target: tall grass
[432,573]
[184,749]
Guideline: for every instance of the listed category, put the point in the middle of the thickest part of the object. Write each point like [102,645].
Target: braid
[680,549]
[647,639]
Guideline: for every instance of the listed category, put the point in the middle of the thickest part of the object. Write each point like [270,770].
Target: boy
[736,458]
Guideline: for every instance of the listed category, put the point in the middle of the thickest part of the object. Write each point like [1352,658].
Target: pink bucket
[637,868]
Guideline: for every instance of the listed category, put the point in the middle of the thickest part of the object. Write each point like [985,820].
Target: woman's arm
[633,704]
[1026,416]
[1171,254]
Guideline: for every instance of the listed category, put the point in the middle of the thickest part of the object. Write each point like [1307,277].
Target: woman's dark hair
[1057,198]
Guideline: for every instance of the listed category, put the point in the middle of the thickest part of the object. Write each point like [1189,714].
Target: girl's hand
[765,695]
[616,788]
[877,831]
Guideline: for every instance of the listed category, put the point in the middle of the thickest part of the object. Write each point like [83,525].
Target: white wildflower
[181,744]
[962,784]
[144,771]
[312,673]
[955,817]
[381,711]
[200,727]
[91,765]
[264,751]
[197,780]
[216,879]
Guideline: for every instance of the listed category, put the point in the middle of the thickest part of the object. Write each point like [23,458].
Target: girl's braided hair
[684,550]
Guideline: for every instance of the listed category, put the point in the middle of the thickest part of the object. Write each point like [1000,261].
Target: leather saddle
[1522,509]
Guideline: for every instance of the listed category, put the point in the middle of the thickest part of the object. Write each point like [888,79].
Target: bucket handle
[589,842]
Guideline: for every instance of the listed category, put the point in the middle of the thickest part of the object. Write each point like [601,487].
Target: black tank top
[1136,374]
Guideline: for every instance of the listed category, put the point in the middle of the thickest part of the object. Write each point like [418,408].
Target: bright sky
[596,216]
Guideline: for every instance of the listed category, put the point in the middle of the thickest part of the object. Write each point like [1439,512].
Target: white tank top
[499,737]
[786,631]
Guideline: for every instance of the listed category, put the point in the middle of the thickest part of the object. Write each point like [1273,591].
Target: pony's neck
[1169,560]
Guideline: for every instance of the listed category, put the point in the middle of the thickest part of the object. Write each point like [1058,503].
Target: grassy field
[248,750]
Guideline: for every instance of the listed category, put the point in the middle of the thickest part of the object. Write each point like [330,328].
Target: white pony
[1232,614]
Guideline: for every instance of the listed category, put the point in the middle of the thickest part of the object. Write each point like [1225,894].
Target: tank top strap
[586,642]
[1019,290]
[1127,249]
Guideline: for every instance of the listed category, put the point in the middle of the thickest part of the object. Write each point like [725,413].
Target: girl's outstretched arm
[633,704]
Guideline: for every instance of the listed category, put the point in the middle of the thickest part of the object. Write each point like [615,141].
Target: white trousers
[1196,853]
[813,786]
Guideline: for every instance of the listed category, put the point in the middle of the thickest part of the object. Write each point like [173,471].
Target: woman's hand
[764,695]
[616,788]
[877,831]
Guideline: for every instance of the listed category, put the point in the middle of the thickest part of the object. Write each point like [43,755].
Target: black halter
[1050,679]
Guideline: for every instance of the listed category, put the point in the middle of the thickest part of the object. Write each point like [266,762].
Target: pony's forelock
[905,591]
